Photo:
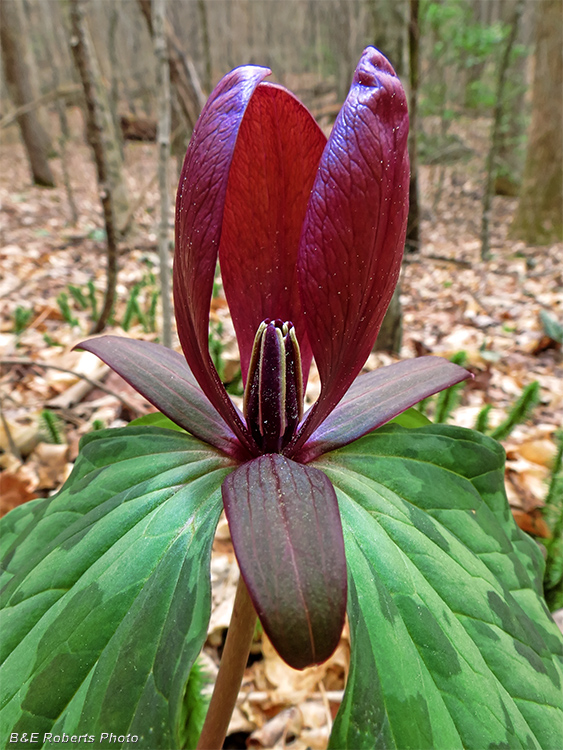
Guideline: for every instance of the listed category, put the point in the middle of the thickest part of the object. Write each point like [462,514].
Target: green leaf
[452,645]
[106,590]
[411,418]
[155,419]
[196,703]
[552,327]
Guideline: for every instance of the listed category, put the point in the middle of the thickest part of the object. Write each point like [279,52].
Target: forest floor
[452,301]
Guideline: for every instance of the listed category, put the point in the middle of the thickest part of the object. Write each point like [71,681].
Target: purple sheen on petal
[162,376]
[275,161]
[293,385]
[200,206]
[354,231]
[287,535]
[376,397]
[271,388]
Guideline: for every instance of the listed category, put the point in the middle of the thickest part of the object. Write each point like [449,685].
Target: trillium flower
[309,235]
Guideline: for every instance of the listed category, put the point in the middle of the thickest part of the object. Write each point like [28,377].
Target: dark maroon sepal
[163,377]
[286,531]
[373,399]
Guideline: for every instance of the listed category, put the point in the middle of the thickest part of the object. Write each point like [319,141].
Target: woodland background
[97,104]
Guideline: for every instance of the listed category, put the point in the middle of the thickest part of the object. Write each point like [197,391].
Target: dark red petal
[199,218]
[274,165]
[376,397]
[354,232]
[286,531]
[163,378]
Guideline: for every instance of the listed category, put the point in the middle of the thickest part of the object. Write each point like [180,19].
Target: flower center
[273,398]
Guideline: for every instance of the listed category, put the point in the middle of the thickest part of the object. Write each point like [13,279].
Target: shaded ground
[451,301]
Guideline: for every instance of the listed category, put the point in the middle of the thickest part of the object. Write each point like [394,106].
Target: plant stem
[231,671]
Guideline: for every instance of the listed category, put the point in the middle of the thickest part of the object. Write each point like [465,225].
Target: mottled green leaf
[452,645]
[410,418]
[155,419]
[106,592]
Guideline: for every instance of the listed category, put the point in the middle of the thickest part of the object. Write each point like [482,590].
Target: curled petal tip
[353,236]
[372,64]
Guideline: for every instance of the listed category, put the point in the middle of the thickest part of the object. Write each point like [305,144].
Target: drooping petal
[200,205]
[162,376]
[352,243]
[277,154]
[286,531]
[376,397]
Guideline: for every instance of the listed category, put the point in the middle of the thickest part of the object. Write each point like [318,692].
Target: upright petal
[200,205]
[277,154]
[353,237]
[286,531]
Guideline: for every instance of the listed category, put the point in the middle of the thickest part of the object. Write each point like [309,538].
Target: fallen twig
[94,383]
[11,443]
[417,258]
[261,696]
[63,92]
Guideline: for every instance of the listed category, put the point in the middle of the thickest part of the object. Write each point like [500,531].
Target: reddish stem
[231,671]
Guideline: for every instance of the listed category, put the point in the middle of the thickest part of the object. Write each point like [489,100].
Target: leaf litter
[504,314]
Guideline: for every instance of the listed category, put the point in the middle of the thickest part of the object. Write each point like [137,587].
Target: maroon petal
[163,378]
[376,397]
[199,217]
[286,531]
[275,161]
[353,238]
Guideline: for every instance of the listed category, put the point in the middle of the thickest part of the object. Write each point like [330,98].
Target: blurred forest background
[97,104]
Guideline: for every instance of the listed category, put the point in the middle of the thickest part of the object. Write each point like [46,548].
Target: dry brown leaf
[14,490]
[239,722]
[284,726]
[532,523]
[51,463]
[540,452]
[23,435]
[287,681]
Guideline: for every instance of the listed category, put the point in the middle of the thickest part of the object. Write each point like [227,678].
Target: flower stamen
[273,398]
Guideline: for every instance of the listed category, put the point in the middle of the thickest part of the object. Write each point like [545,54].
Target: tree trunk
[413,225]
[496,132]
[104,122]
[390,334]
[16,74]
[33,64]
[113,97]
[64,137]
[163,139]
[96,118]
[183,75]
[539,217]
[205,43]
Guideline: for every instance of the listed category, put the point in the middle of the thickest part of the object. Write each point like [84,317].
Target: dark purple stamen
[273,399]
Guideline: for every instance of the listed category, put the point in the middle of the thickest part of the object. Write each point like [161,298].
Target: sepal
[373,399]
[286,531]
[163,377]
